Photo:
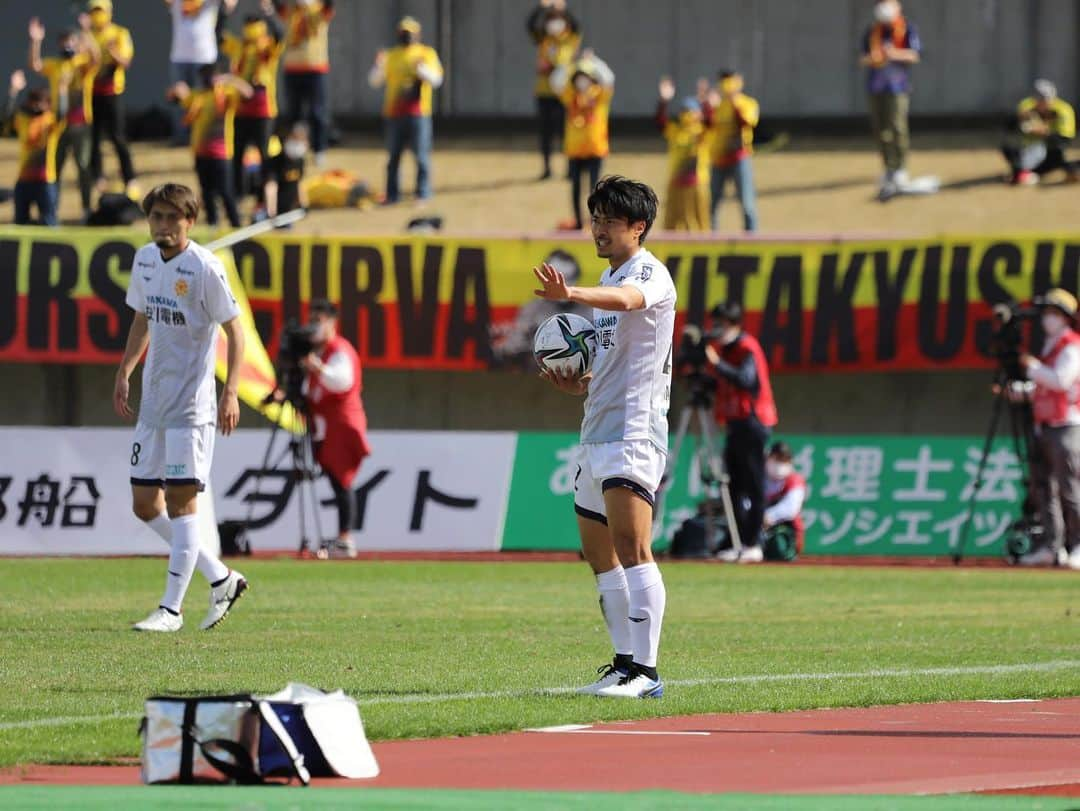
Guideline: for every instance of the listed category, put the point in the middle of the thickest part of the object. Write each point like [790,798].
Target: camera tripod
[698,408]
[1021,426]
[299,455]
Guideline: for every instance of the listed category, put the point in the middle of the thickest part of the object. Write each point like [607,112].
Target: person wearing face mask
[410,71]
[1041,131]
[889,48]
[785,493]
[70,74]
[585,90]
[307,66]
[687,205]
[1055,403]
[117,51]
[745,406]
[338,425]
[733,115]
[254,57]
[285,172]
[557,37]
[38,128]
[194,44]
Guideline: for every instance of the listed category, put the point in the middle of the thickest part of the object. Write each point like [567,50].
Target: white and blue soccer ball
[565,343]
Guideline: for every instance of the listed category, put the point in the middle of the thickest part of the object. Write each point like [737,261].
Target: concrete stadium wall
[799,56]
[944,403]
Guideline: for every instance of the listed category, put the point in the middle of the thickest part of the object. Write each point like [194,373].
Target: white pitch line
[761,678]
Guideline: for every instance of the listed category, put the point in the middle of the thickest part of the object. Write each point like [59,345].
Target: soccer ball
[566,343]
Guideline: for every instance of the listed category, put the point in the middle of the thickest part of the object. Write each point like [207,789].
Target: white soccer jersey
[631,386]
[184,299]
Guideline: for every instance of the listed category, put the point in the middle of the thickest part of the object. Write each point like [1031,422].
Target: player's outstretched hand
[554,284]
[120,398]
[565,381]
[228,412]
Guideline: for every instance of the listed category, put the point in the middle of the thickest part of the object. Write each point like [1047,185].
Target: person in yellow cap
[70,75]
[585,89]
[117,51]
[410,71]
[307,66]
[734,115]
[687,205]
[1055,405]
[557,36]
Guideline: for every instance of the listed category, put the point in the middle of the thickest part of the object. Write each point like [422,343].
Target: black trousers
[744,458]
[346,504]
[1055,158]
[250,132]
[578,166]
[216,181]
[552,118]
[108,125]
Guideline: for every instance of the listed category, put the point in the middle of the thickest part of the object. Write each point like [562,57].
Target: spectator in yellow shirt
[307,66]
[210,114]
[1041,131]
[117,51]
[557,37]
[585,90]
[255,57]
[687,205]
[410,71]
[38,129]
[71,75]
[733,116]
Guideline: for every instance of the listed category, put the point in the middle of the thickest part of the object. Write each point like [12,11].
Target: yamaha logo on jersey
[180,288]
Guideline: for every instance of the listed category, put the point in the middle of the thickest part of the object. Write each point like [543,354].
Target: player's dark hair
[177,195]
[617,196]
[782,451]
[730,311]
[321,306]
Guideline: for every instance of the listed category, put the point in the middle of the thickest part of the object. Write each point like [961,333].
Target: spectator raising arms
[585,90]
[71,85]
[117,51]
[1038,136]
[557,37]
[38,128]
[687,205]
[307,63]
[734,115]
[410,70]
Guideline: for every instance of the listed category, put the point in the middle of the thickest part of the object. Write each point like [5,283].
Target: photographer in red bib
[1055,399]
[744,404]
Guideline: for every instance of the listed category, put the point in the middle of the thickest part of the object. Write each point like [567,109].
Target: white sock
[647,600]
[183,553]
[210,567]
[615,605]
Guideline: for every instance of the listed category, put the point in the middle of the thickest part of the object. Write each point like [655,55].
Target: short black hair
[321,306]
[618,196]
[252,18]
[782,451]
[730,311]
[727,73]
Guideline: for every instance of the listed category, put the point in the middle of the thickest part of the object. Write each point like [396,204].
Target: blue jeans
[39,193]
[414,133]
[306,100]
[743,175]
[188,73]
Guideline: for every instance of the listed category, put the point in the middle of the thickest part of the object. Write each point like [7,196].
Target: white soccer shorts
[161,456]
[636,464]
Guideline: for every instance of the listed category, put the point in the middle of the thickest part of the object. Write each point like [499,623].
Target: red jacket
[734,403]
[340,422]
[1052,407]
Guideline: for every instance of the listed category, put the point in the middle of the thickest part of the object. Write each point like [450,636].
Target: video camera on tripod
[1007,339]
[691,364]
[296,342]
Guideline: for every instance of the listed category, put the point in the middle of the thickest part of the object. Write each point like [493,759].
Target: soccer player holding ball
[624,435]
[180,297]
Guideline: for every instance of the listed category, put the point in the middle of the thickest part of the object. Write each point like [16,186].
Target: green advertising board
[867,495]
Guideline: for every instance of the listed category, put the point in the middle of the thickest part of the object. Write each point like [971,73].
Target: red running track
[1030,747]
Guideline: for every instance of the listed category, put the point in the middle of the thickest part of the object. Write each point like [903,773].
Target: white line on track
[588,731]
[761,678]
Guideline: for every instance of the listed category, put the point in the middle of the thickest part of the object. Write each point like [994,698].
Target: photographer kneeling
[744,403]
[338,425]
[785,494]
[1056,407]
